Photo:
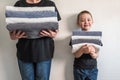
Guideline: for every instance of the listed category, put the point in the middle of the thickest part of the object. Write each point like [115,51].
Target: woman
[35,55]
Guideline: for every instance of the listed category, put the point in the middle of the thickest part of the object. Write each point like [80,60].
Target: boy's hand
[17,35]
[48,33]
[86,49]
[91,49]
[93,53]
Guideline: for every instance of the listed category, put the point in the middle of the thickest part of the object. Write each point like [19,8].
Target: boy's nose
[86,21]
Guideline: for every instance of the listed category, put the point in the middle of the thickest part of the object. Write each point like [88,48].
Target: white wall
[106,15]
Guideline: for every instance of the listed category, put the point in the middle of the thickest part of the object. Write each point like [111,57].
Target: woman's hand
[17,35]
[48,33]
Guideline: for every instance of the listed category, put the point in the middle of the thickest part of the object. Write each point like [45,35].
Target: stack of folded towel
[31,19]
[80,38]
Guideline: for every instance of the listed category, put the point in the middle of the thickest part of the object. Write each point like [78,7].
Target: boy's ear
[77,23]
[92,21]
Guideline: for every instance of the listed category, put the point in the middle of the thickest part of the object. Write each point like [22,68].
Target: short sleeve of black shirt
[35,50]
[22,3]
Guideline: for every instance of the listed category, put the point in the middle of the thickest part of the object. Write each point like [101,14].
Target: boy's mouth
[86,25]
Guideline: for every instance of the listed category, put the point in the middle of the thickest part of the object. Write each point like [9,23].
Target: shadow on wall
[63,49]
[7,51]
[72,22]
[63,54]
[62,46]
[71,25]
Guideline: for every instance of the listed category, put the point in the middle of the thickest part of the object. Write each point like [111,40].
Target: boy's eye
[82,20]
[89,19]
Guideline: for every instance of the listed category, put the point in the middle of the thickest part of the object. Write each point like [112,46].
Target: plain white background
[106,15]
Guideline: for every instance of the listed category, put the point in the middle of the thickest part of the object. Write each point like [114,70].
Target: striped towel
[80,38]
[31,19]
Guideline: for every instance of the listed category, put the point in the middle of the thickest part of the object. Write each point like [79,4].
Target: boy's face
[85,21]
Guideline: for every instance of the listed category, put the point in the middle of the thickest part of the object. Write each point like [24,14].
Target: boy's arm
[94,54]
[83,50]
[78,53]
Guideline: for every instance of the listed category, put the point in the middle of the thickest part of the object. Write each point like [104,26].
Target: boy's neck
[85,30]
[33,1]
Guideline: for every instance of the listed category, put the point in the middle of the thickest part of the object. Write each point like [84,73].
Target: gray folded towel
[80,38]
[33,29]
[32,14]
[31,19]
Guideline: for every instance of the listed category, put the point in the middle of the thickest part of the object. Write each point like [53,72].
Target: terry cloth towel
[80,38]
[31,19]
[34,28]
[32,14]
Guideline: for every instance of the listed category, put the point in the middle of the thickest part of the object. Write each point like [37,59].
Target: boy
[85,63]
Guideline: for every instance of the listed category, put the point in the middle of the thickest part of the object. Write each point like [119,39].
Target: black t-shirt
[35,50]
[85,61]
